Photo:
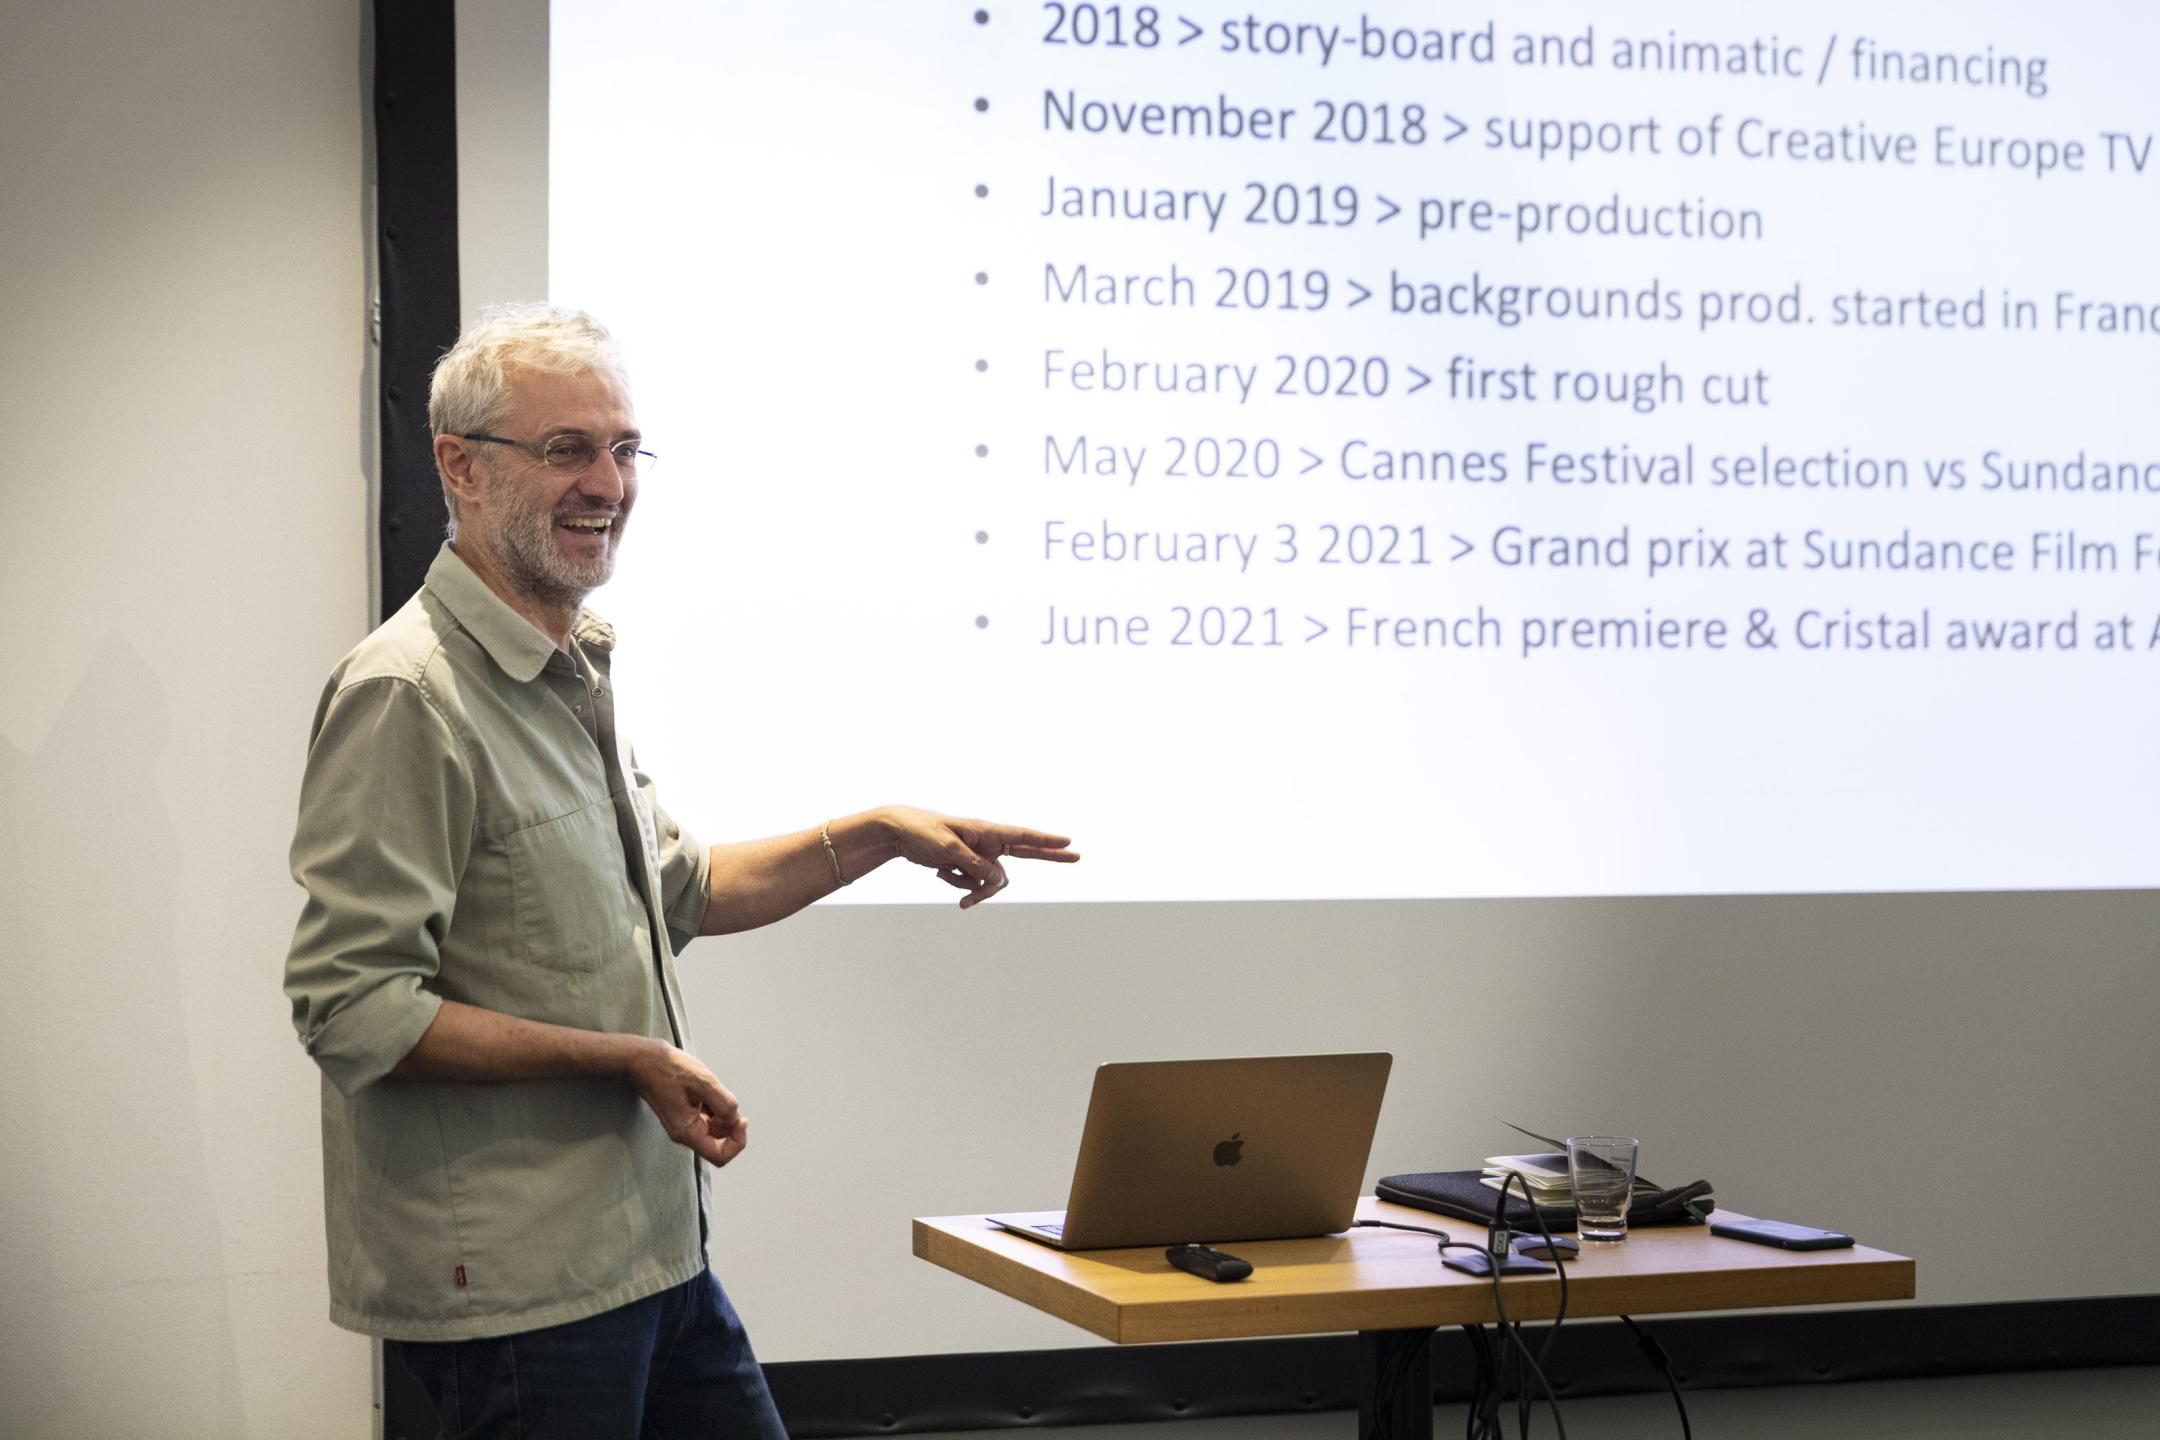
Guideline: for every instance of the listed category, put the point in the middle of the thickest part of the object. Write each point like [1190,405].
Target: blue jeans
[673,1366]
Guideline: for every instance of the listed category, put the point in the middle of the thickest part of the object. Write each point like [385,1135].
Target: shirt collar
[511,641]
[593,631]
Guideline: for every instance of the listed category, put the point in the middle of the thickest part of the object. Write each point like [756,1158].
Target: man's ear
[457,461]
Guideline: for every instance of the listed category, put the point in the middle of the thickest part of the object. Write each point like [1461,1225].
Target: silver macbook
[1209,1151]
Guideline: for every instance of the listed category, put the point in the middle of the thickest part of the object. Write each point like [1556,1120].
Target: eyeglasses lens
[575,456]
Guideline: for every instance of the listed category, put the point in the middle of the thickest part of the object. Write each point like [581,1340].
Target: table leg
[1395,1384]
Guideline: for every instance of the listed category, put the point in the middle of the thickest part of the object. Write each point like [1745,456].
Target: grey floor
[2081,1404]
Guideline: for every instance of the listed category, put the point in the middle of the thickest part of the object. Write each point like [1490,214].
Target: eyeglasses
[575,454]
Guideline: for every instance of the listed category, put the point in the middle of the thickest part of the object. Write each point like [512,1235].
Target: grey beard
[536,567]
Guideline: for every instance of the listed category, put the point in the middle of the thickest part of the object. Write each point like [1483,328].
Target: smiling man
[517,1137]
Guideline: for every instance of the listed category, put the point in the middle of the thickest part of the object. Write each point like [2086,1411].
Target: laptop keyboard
[1053,1229]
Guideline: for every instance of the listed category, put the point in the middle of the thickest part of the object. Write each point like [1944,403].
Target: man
[516,1135]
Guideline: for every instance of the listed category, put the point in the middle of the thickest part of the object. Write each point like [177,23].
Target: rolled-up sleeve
[386,824]
[685,868]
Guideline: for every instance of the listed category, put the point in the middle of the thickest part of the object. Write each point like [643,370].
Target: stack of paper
[1545,1176]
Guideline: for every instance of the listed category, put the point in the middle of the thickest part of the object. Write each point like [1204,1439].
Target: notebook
[1211,1151]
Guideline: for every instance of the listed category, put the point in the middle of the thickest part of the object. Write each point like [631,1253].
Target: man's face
[554,534]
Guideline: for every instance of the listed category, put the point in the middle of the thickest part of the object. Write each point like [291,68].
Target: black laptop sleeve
[1461,1194]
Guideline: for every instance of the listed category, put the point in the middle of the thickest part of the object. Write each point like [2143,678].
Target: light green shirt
[472,828]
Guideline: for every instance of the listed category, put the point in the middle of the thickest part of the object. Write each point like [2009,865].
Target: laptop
[1209,1151]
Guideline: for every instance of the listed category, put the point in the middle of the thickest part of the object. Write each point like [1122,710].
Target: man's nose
[604,480]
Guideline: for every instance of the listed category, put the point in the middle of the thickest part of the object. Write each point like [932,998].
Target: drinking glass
[1601,1170]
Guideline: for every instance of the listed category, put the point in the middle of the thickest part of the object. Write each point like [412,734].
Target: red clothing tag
[461,1277]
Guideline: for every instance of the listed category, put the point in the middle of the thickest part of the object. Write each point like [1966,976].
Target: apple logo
[1230,1151]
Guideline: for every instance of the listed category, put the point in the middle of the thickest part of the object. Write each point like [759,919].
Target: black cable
[1479,1367]
[1659,1358]
[1384,1385]
[1537,1213]
[1482,1420]
[1480,1347]
[1392,1369]
[1395,1366]
[1560,1313]
[1508,1327]
[1651,1349]
[1525,1396]
[1387,1384]
[1391,1225]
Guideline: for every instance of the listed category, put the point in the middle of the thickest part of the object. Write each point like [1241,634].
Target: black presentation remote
[1208,1264]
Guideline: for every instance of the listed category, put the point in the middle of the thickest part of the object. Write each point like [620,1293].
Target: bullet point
[982,17]
[982,622]
[982,364]
[982,277]
[981,191]
[982,537]
[981,450]
[981,104]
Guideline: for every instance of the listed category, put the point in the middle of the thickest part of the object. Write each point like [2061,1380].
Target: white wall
[182,315]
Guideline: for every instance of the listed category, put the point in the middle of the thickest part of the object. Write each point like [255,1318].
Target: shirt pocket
[569,890]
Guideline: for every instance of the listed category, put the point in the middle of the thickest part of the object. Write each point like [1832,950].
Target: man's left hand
[969,854]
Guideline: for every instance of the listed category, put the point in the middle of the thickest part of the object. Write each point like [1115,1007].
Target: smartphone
[1780,1234]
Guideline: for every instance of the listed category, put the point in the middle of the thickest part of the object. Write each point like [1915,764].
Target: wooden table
[1389,1286]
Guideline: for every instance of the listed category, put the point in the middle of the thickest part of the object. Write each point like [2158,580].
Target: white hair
[470,393]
